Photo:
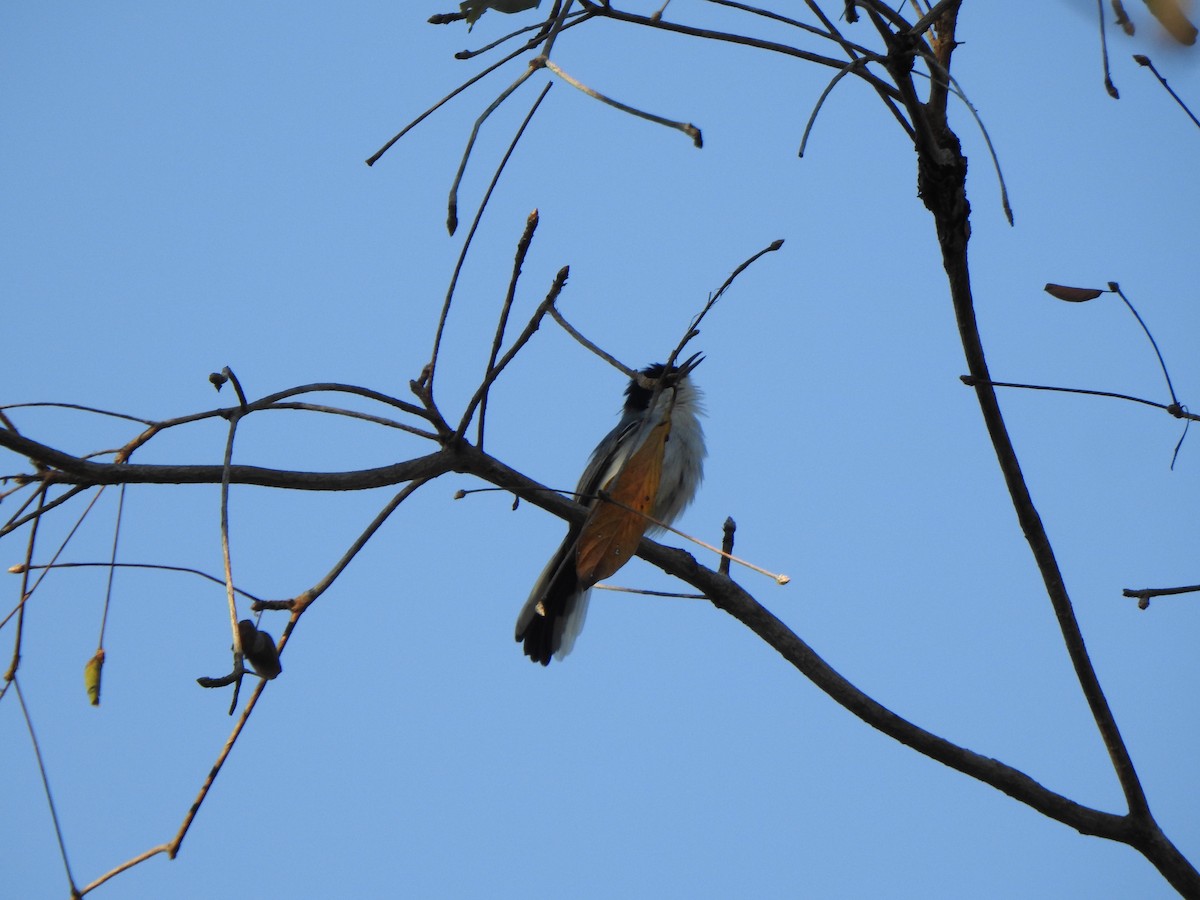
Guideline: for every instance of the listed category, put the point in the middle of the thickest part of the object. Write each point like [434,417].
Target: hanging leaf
[91,676]
[611,533]
[1072,294]
[473,9]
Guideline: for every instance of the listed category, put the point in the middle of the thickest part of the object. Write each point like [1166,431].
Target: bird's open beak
[685,368]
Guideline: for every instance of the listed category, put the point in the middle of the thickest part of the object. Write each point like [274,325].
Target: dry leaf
[1072,294]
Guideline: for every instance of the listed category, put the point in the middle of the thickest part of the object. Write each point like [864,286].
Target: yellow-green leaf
[91,676]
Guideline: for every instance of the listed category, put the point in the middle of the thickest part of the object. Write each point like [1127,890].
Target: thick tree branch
[730,597]
[68,469]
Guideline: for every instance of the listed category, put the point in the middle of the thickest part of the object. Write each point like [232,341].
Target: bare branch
[627,371]
[130,565]
[431,366]
[68,469]
[37,752]
[1108,82]
[744,40]
[531,327]
[531,223]
[1143,595]
[686,127]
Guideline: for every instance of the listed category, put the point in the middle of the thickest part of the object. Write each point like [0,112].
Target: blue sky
[185,189]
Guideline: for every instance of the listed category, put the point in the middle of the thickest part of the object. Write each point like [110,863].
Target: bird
[258,647]
[651,464]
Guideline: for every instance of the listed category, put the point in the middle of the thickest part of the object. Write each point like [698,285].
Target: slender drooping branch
[942,172]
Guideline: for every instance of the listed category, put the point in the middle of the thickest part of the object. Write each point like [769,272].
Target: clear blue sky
[184,189]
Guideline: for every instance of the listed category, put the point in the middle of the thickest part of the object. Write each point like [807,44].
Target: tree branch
[68,469]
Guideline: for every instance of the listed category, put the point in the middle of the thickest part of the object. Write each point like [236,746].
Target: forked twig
[540,26]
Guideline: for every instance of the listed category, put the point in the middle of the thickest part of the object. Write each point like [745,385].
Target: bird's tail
[553,615]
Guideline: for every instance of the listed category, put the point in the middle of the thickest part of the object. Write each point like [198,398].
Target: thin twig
[531,223]
[958,92]
[1116,289]
[306,599]
[535,321]
[1143,60]
[575,333]
[558,16]
[540,26]
[830,34]
[741,39]
[112,565]
[452,203]
[693,328]
[374,157]
[852,50]
[37,752]
[431,367]
[842,73]
[41,484]
[237,388]
[28,590]
[686,127]
[225,557]
[81,408]
[272,401]
[581,17]
[15,523]
[128,864]
[210,779]
[353,414]
[727,532]
[1174,409]
[618,589]
[130,565]
[1143,595]
[1108,82]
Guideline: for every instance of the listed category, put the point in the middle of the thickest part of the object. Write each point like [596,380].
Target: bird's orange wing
[613,529]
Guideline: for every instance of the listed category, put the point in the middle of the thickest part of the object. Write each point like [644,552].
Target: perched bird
[258,647]
[650,464]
